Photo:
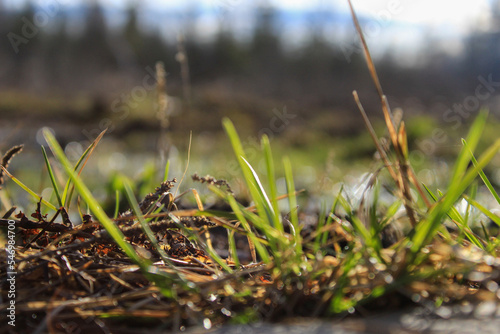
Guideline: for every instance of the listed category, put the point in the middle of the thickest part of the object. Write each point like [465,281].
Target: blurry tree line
[100,59]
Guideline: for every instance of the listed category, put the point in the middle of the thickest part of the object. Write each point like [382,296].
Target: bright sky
[400,23]
[429,12]
[458,13]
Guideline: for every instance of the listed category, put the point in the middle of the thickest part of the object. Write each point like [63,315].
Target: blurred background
[282,68]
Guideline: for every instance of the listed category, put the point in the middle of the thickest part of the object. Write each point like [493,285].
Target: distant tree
[148,47]
[131,30]
[56,54]
[229,56]
[93,52]
[267,60]
[482,51]
[21,44]
[197,50]
[265,46]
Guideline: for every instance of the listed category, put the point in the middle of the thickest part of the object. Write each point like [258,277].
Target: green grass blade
[117,203]
[68,190]
[28,190]
[261,195]
[167,168]
[211,252]
[473,193]
[434,197]
[339,302]
[319,229]
[473,137]
[161,279]
[273,192]
[391,212]
[485,211]
[233,251]
[247,173]
[482,175]
[261,250]
[323,237]
[292,200]
[94,206]
[454,215]
[427,228]
[145,227]
[52,178]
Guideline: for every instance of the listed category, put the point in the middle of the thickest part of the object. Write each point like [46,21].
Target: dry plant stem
[7,158]
[421,192]
[182,59]
[379,147]
[399,179]
[162,112]
[403,178]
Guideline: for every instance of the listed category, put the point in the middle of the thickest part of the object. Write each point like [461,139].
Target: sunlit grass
[156,259]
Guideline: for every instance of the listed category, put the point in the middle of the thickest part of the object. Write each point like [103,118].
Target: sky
[397,24]
[457,13]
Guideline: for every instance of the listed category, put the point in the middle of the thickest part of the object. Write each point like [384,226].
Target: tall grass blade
[117,204]
[456,217]
[68,192]
[262,196]
[52,178]
[261,250]
[233,251]
[427,228]
[257,192]
[167,169]
[481,174]
[485,211]
[273,192]
[464,156]
[144,224]
[162,279]
[94,206]
[292,200]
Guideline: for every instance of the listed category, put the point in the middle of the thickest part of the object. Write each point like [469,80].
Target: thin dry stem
[403,179]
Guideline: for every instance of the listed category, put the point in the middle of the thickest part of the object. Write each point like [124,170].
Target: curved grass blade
[482,175]
[94,206]
[322,237]
[68,193]
[145,227]
[427,228]
[52,178]
[262,196]
[233,251]
[261,250]
[292,200]
[162,279]
[247,173]
[457,218]
[464,156]
[28,190]
[273,192]
[117,204]
[485,211]
[167,168]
